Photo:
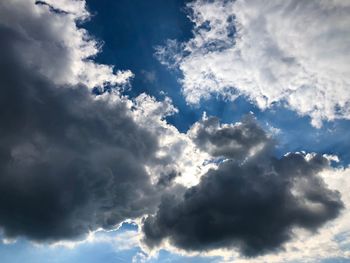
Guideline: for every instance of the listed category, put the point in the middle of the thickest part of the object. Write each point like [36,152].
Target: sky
[174,131]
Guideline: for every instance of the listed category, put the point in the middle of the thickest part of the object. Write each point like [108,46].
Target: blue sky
[311,115]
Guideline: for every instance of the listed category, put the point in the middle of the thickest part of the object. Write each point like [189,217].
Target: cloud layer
[291,52]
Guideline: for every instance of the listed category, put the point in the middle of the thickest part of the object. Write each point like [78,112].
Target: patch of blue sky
[297,134]
[167,257]
[343,241]
[335,260]
[24,251]
[135,28]
[128,227]
[89,252]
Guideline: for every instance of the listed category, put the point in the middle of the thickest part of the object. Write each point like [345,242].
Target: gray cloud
[69,163]
[251,203]
[231,141]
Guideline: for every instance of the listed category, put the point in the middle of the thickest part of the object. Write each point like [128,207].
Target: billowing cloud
[328,243]
[238,141]
[178,160]
[53,44]
[69,162]
[72,162]
[251,203]
[290,52]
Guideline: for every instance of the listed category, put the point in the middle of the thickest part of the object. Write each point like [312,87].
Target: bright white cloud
[292,52]
[177,152]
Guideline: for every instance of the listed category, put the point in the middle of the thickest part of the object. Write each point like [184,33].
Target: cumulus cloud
[252,201]
[291,52]
[237,141]
[53,44]
[329,242]
[70,162]
[178,160]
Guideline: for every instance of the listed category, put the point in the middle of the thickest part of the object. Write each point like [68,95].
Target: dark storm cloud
[68,163]
[165,179]
[251,204]
[231,141]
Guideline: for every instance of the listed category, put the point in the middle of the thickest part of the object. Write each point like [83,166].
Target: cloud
[293,53]
[329,242]
[237,141]
[179,160]
[53,44]
[250,203]
[70,162]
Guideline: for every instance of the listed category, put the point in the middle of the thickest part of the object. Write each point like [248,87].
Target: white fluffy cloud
[292,52]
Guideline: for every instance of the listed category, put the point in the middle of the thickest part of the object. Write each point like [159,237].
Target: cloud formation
[72,162]
[54,45]
[69,162]
[179,160]
[252,201]
[293,52]
[237,141]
